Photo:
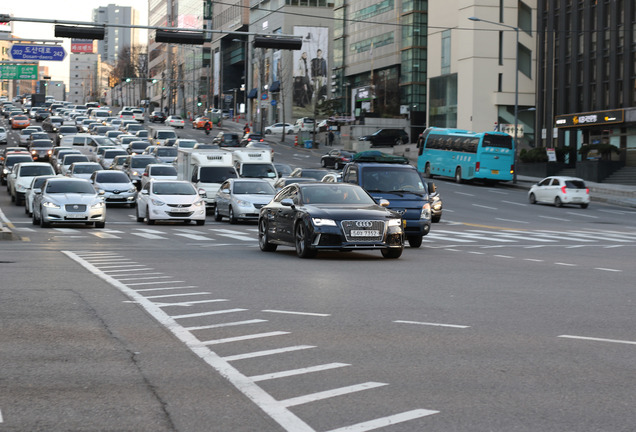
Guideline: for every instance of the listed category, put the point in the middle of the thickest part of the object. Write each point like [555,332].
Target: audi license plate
[365,233]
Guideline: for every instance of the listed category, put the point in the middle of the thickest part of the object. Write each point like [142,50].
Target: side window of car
[545,182]
[555,182]
[351,176]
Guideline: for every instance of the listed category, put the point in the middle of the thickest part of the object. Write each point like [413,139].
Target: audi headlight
[323,222]
[157,202]
[49,204]
[426,211]
[395,222]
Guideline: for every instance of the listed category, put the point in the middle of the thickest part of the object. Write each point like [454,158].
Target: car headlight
[157,202]
[135,173]
[323,222]
[49,204]
[20,188]
[243,203]
[426,211]
[132,190]
[98,205]
[198,203]
[395,222]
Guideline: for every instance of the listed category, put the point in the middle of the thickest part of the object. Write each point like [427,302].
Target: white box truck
[255,164]
[206,169]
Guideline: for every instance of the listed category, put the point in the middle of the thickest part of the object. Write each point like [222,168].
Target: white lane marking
[504,256]
[463,193]
[515,203]
[617,212]
[267,352]
[149,236]
[485,207]
[107,260]
[512,220]
[296,313]
[583,215]
[431,324]
[179,295]
[599,339]
[451,250]
[167,288]
[197,315]
[66,230]
[189,303]
[278,412]
[144,278]
[153,283]
[150,230]
[476,253]
[497,191]
[555,218]
[1,420]
[565,264]
[128,270]
[533,259]
[230,324]
[433,236]
[119,266]
[245,337]
[607,269]
[300,371]
[386,421]
[105,235]
[300,400]
[194,236]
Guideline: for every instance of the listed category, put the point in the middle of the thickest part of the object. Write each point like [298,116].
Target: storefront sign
[590,119]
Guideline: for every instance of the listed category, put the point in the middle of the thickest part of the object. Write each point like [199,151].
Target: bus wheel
[427,171]
[458,175]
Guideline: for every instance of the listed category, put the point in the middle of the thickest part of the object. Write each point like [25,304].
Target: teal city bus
[466,155]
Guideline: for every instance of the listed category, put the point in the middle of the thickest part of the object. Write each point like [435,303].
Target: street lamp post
[516,29]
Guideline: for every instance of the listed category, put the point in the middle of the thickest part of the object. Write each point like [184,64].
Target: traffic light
[199,101]
[180,37]
[277,42]
[127,79]
[80,32]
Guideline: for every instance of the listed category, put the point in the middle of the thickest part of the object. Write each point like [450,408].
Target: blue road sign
[38,52]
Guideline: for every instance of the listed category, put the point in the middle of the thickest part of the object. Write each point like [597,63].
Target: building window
[500,83]
[446,52]
[524,17]
[525,60]
[501,39]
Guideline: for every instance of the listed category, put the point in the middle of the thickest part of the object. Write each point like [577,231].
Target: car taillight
[587,191]
[477,166]
[563,188]
[512,169]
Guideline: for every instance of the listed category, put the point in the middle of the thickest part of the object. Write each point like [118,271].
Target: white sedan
[559,190]
[277,128]
[175,121]
[170,200]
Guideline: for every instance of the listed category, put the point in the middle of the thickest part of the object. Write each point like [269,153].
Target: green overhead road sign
[18,72]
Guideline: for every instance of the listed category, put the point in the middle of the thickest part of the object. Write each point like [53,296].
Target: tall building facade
[587,75]
[380,58]
[116,38]
[84,78]
[477,69]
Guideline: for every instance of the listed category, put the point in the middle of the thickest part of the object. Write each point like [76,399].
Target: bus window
[500,141]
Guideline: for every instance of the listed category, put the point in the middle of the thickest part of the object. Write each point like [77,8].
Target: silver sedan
[242,199]
[68,200]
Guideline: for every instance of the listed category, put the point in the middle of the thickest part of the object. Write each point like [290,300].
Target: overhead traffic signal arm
[286,43]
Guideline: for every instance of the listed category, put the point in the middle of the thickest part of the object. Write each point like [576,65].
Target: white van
[87,144]
[159,136]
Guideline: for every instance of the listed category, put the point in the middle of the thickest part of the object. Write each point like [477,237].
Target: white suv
[304,124]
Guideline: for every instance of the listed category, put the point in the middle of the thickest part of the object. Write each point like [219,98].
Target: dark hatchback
[329,216]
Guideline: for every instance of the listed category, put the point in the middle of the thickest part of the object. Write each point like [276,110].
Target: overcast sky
[63,10]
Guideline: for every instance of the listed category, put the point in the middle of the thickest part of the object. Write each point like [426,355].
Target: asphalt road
[510,317]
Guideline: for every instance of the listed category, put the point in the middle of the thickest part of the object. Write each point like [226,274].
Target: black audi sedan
[329,216]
